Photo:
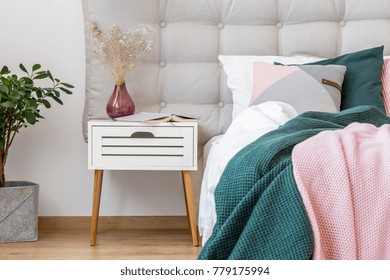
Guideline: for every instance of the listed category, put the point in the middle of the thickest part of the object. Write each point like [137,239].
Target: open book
[155,117]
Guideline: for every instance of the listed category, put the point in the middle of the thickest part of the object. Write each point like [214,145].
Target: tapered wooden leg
[97,189]
[189,198]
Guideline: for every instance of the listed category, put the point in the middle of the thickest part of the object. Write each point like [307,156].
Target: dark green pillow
[362,81]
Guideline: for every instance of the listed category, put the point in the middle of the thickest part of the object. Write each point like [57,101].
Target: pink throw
[344,180]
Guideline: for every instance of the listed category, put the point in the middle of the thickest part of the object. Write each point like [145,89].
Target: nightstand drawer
[159,146]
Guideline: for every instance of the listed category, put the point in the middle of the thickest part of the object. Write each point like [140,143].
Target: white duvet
[245,128]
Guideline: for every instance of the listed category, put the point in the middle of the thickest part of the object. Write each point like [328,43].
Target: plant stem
[2,165]
[8,141]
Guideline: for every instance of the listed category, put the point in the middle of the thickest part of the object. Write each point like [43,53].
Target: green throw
[260,214]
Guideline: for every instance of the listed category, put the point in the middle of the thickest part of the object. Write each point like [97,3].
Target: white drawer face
[142,147]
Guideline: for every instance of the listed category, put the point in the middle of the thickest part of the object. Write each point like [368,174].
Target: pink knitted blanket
[344,180]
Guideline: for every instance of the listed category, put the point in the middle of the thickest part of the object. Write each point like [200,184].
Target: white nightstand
[114,145]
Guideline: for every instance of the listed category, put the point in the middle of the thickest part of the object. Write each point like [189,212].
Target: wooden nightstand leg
[189,198]
[97,189]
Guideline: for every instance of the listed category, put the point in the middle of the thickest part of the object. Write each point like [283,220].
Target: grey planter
[19,212]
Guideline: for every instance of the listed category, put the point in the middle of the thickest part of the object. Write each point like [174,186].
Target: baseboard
[114,222]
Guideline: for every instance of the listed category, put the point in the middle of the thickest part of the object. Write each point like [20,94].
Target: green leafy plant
[20,102]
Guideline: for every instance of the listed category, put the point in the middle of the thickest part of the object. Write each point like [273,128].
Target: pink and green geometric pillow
[305,87]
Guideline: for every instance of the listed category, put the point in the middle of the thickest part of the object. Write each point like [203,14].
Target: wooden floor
[72,243]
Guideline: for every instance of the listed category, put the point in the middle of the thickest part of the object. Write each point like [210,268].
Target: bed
[244,70]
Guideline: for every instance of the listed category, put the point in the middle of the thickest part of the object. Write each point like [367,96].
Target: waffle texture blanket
[349,204]
[260,212]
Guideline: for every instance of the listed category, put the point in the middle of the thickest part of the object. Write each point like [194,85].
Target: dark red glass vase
[120,103]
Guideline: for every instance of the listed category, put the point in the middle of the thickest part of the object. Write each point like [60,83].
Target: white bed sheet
[245,128]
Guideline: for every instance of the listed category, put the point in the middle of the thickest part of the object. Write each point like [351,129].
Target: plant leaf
[7,104]
[2,142]
[4,88]
[15,95]
[27,80]
[38,92]
[58,100]
[36,67]
[50,76]
[30,117]
[65,90]
[41,76]
[21,66]
[67,85]
[46,103]
[4,70]
[40,72]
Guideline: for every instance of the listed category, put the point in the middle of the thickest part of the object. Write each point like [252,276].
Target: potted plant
[20,101]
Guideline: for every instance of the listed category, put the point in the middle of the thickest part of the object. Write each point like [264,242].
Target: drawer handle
[142,134]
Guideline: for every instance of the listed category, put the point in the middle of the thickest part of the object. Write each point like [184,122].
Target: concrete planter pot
[19,212]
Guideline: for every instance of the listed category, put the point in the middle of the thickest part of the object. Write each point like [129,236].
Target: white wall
[53,153]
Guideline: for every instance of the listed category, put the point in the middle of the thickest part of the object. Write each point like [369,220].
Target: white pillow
[239,71]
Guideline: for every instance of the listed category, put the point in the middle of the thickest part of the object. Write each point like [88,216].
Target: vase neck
[119,83]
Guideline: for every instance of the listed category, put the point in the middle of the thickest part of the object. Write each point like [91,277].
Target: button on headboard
[182,74]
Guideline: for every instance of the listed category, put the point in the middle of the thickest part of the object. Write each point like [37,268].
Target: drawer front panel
[142,147]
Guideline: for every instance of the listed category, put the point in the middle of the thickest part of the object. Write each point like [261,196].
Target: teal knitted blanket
[260,214]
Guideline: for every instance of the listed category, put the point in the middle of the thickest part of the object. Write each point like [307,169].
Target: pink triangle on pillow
[268,74]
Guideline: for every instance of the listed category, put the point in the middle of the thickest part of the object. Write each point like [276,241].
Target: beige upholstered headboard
[182,74]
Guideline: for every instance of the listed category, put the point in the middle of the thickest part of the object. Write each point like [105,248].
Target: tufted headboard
[182,74]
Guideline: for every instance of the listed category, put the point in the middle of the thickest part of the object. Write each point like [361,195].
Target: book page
[143,116]
[177,118]
[155,117]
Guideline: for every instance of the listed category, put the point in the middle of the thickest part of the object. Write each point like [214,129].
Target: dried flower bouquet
[119,51]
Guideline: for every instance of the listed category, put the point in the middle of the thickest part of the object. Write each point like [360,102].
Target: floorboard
[112,244]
